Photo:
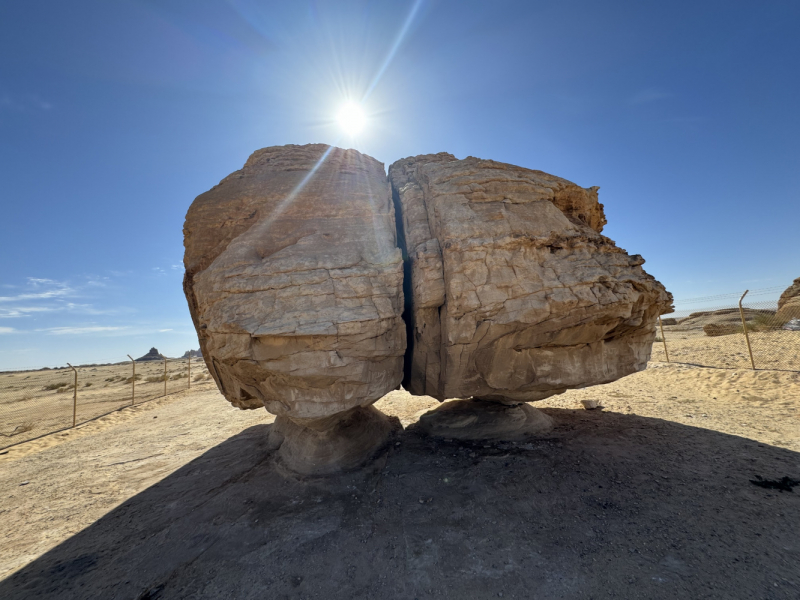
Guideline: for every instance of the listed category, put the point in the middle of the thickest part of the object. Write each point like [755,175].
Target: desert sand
[648,497]
[35,403]
[778,350]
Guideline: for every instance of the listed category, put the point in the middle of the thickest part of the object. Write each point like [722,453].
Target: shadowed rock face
[514,293]
[294,283]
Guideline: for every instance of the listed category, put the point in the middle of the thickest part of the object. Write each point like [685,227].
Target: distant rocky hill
[152,355]
[192,354]
[724,316]
[789,303]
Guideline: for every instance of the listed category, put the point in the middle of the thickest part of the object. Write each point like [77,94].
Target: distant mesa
[152,355]
[192,354]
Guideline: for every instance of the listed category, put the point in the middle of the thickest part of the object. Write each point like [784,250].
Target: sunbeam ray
[395,47]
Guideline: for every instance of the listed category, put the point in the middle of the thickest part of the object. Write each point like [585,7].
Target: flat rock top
[299,195]
[494,195]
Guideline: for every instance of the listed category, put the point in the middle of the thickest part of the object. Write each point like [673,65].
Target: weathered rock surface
[294,283]
[789,302]
[512,293]
[338,443]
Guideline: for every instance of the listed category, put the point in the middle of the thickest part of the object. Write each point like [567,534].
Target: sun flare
[351,119]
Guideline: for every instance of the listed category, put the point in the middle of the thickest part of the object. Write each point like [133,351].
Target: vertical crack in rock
[408,316]
[424,286]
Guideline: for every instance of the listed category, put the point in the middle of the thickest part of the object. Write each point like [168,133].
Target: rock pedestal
[294,284]
[484,420]
[512,293]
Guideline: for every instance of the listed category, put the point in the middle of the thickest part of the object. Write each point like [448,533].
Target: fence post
[74,396]
[190,373]
[744,328]
[165,376]
[133,381]
[663,339]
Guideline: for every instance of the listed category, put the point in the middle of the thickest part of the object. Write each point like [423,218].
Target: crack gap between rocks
[408,309]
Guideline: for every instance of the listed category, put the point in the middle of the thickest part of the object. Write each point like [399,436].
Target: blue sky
[115,115]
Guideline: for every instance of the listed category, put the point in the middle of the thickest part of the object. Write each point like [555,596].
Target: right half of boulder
[512,292]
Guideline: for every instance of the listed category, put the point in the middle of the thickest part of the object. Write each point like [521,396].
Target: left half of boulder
[295,285]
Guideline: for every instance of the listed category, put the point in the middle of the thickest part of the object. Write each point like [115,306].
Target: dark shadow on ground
[609,505]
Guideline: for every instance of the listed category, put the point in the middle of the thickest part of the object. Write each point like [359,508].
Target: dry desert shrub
[54,386]
[25,427]
[766,322]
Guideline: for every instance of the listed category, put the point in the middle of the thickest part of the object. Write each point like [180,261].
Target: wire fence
[754,336]
[35,403]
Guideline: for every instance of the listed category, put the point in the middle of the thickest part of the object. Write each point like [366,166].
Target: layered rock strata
[512,293]
[294,284]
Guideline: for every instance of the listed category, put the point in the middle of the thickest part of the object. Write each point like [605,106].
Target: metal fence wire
[753,335]
[35,403]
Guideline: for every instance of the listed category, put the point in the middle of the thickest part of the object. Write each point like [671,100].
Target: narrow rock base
[332,445]
[484,420]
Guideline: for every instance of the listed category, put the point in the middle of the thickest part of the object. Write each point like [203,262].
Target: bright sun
[351,119]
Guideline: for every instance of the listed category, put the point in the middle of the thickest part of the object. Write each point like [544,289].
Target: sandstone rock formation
[294,283]
[789,302]
[512,293]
